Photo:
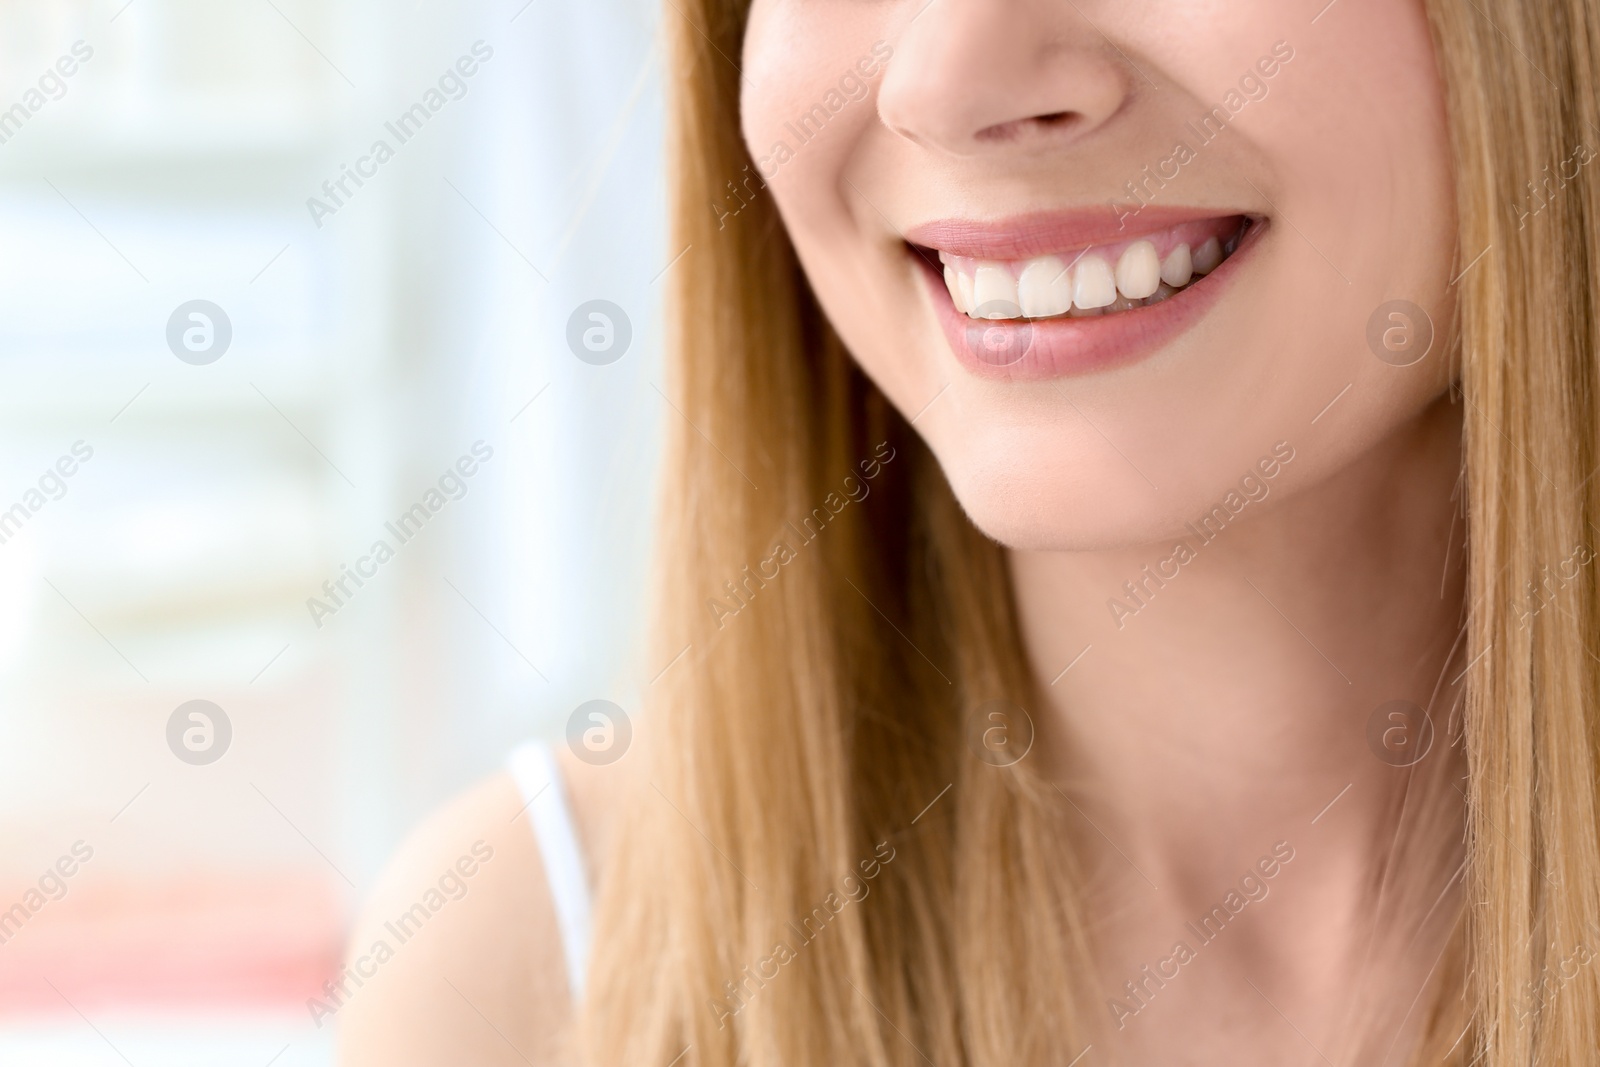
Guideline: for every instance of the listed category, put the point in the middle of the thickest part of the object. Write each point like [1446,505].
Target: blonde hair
[812,730]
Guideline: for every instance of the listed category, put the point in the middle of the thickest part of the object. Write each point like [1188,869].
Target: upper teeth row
[1048,285]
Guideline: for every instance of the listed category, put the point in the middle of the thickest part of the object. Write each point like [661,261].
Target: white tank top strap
[538,776]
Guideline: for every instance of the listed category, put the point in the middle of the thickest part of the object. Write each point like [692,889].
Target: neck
[1228,706]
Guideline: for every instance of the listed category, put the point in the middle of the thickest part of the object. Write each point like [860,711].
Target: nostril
[1016,129]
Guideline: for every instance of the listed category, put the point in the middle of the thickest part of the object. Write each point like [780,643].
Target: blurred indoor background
[179,480]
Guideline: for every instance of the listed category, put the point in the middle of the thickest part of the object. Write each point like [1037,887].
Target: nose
[968,76]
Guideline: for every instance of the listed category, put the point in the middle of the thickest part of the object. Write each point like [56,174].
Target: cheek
[809,118]
[1356,140]
[807,93]
[1363,148]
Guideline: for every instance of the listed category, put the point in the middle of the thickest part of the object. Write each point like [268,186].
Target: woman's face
[1109,254]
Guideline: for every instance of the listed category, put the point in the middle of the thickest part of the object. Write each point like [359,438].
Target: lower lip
[1063,347]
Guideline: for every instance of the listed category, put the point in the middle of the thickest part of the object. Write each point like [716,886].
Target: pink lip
[1039,349]
[1050,232]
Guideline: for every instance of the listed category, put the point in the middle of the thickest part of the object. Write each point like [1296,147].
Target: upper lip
[1048,232]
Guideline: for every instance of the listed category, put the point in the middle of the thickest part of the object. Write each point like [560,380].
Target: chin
[1045,508]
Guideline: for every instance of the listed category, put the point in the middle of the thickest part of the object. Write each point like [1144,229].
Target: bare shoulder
[457,955]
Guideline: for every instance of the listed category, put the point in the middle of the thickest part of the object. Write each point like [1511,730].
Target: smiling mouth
[1056,294]
[1098,280]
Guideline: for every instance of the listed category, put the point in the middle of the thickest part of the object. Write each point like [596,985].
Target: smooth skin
[1229,710]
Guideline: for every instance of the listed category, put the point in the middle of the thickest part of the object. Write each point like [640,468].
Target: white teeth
[1086,285]
[1138,271]
[954,286]
[1178,267]
[994,292]
[1208,256]
[1045,288]
[1093,285]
